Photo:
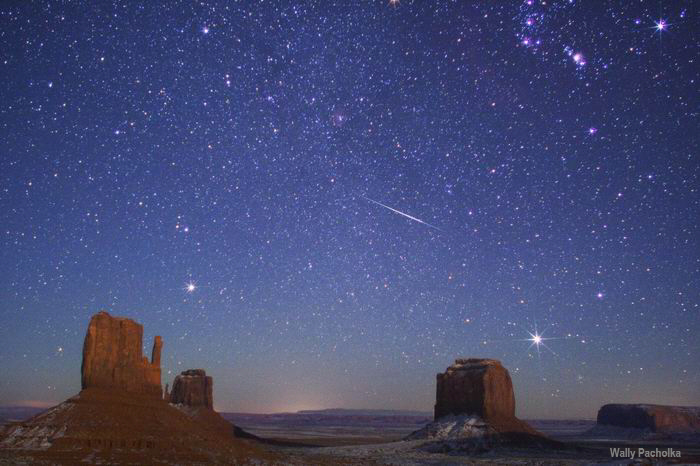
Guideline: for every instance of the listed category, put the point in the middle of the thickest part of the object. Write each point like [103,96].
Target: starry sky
[325,203]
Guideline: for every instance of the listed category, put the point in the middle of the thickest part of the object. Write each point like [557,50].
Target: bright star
[661,25]
[537,339]
[205,30]
[190,287]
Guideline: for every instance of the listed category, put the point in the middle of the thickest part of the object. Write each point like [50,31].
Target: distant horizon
[48,405]
[429,413]
[281,409]
[232,408]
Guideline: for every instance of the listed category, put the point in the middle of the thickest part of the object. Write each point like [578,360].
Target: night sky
[324,204]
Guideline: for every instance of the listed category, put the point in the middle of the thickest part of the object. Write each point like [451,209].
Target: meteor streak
[401,213]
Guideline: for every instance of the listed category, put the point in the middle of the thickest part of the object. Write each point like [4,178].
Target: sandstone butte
[193,395]
[194,388]
[479,387]
[112,357]
[120,415]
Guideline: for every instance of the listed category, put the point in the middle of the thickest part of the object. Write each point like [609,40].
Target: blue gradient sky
[239,147]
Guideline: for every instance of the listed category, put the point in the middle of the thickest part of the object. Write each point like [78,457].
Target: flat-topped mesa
[113,357]
[193,387]
[652,418]
[480,387]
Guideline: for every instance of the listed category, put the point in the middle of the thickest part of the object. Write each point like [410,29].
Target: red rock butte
[113,359]
[193,395]
[120,416]
[479,387]
[193,387]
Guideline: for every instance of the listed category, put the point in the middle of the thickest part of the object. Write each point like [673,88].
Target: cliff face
[193,388]
[480,387]
[113,359]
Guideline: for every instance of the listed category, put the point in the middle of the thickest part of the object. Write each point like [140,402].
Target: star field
[325,203]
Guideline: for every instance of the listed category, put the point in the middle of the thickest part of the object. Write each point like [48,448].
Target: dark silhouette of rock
[652,418]
[193,387]
[113,359]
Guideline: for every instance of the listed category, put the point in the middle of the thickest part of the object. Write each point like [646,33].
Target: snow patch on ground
[41,435]
[453,428]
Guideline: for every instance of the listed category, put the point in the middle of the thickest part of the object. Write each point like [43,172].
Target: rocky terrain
[120,416]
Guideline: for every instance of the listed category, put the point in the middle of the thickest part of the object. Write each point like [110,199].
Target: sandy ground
[364,445]
[409,453]
[412,453]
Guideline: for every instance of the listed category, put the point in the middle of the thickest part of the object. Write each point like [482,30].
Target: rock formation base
[104,426]
[475,411]
[472,435]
